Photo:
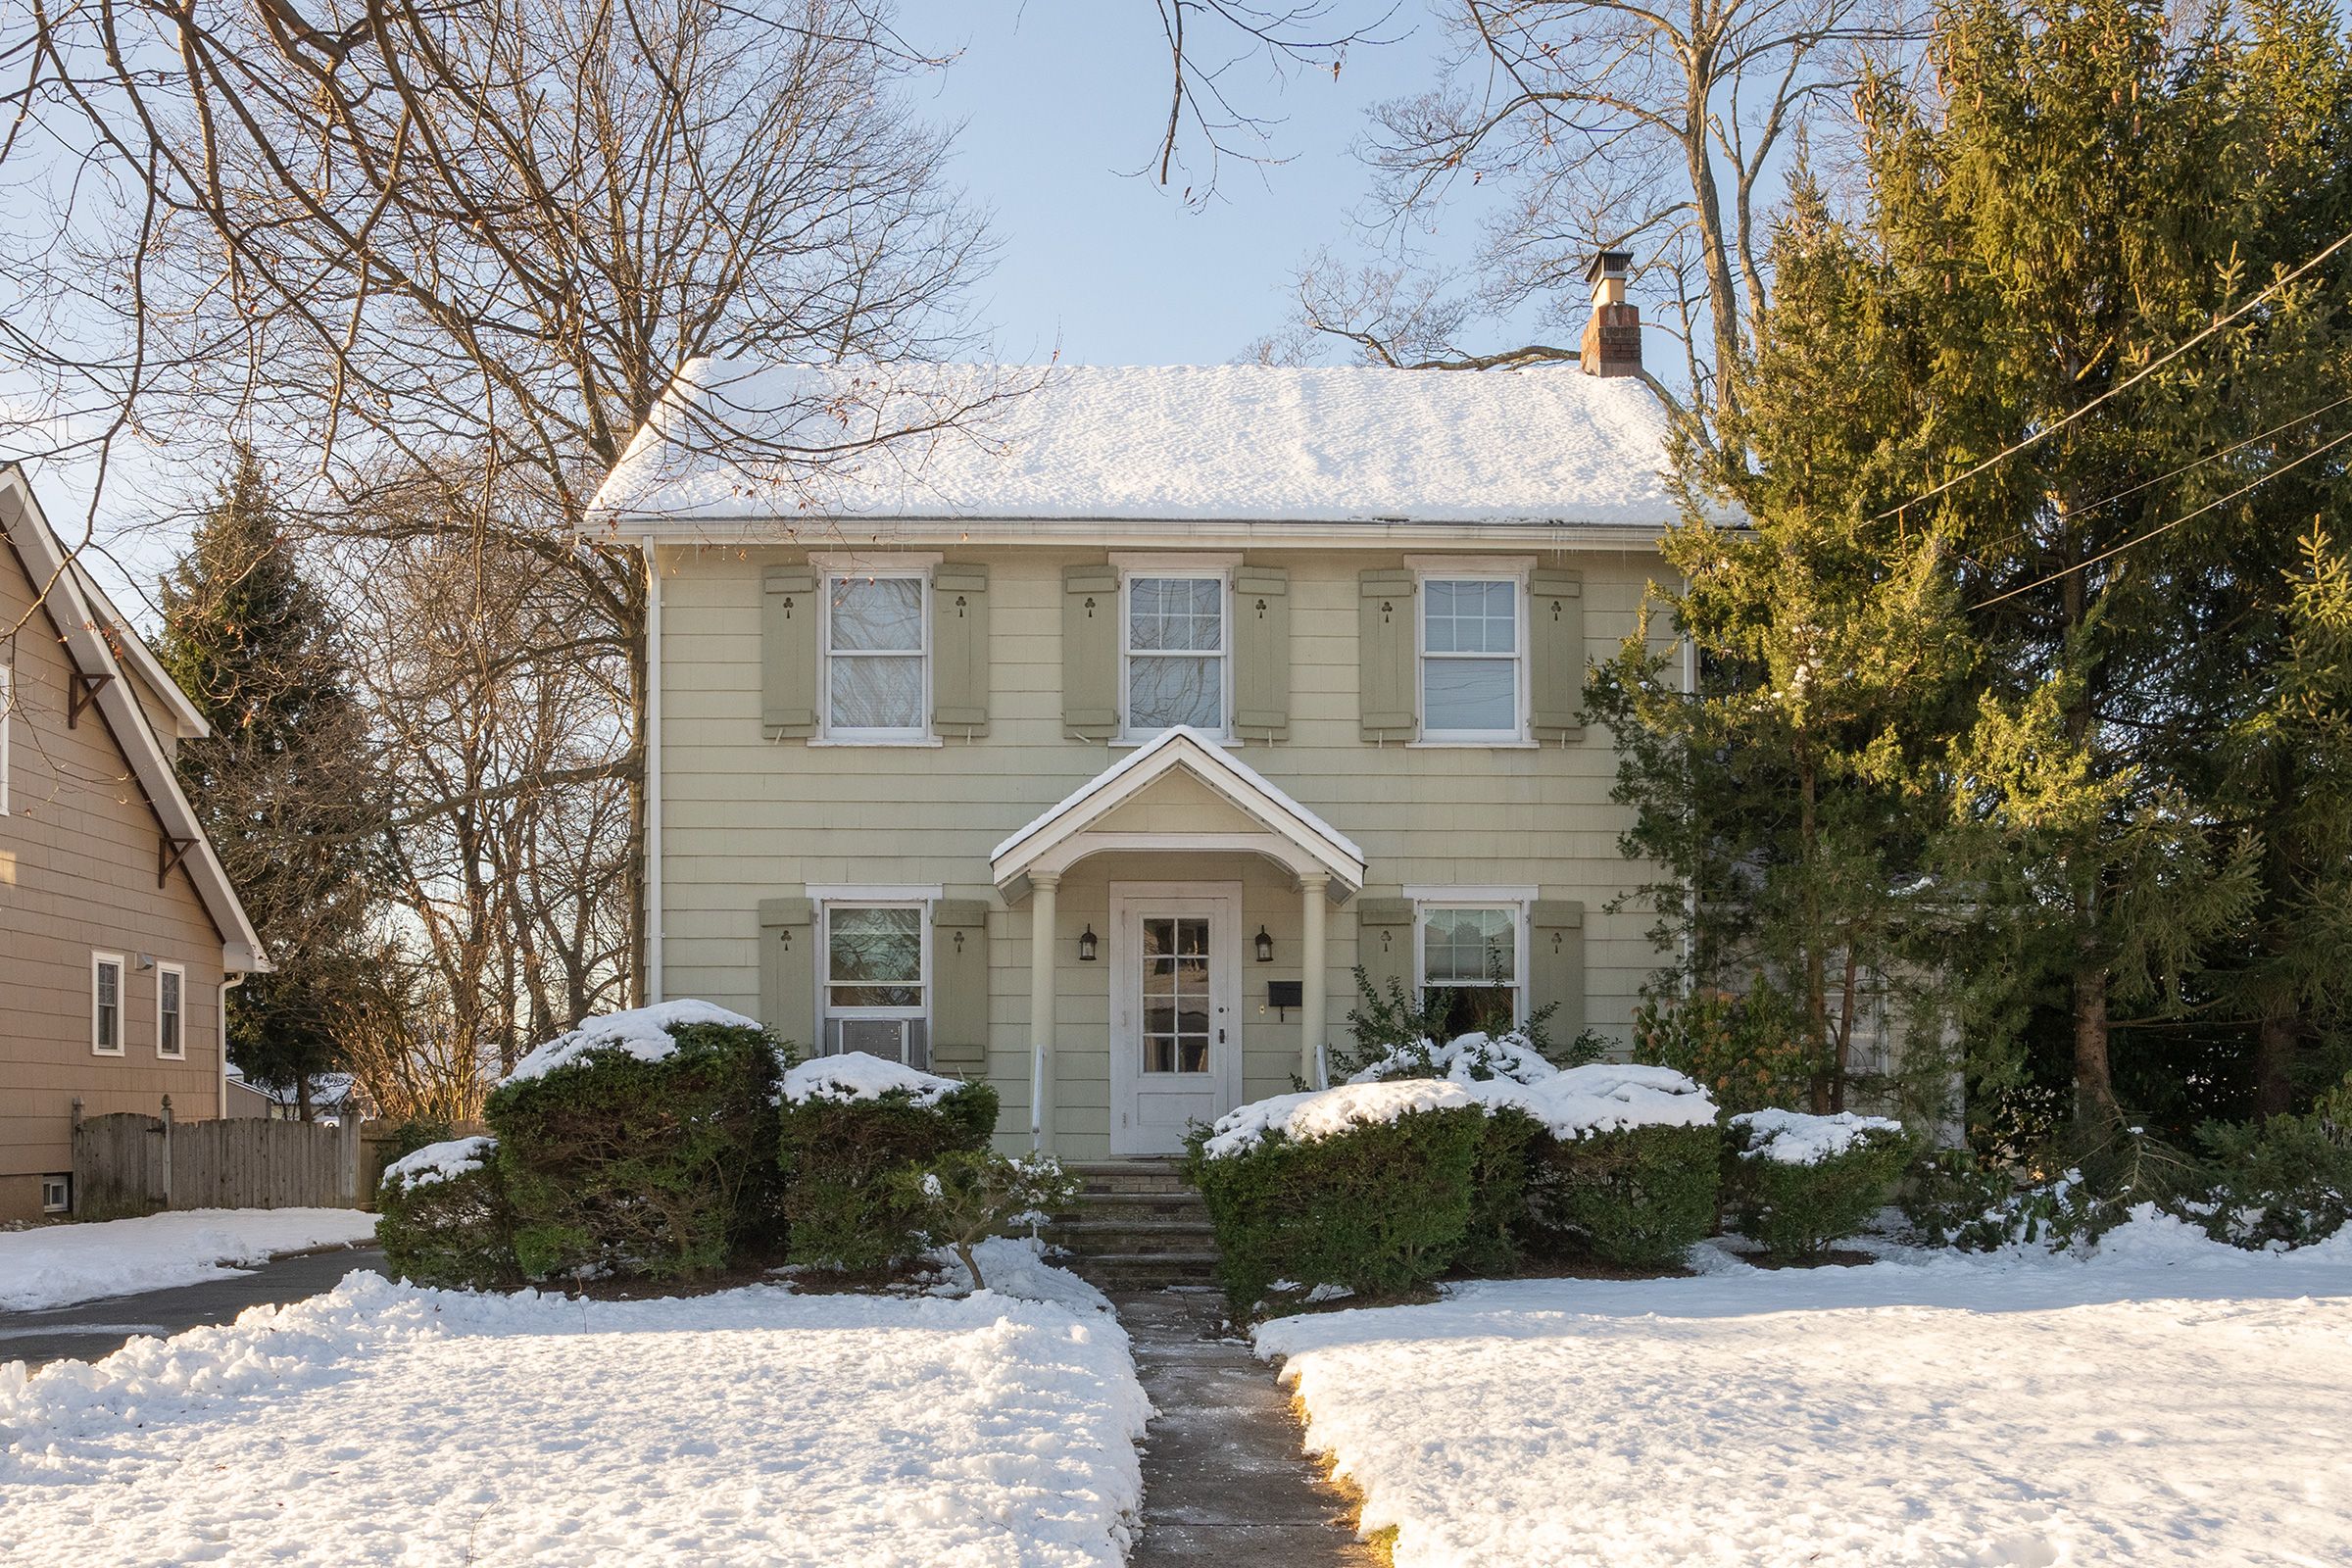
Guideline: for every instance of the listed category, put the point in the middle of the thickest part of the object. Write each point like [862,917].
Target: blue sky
[1063,100]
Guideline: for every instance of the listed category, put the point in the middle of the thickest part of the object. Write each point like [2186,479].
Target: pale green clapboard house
[1089,744]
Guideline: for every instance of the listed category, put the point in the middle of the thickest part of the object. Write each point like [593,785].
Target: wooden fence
[128,1163]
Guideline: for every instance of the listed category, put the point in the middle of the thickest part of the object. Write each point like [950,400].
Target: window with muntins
[106,1005]
[1470,965]
[877,657]
[1175,654]
[877,981]
[170,988]
[1472,673]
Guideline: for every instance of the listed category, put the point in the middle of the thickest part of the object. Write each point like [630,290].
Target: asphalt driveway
[89,1329]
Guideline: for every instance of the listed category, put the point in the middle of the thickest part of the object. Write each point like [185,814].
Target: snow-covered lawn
[381,1423]
[57,1265]
[2169,1402]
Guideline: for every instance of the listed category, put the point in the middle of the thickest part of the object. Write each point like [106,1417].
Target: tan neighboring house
[1091,750]
[118,926]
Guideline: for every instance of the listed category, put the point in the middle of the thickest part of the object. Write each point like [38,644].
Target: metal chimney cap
[1609,264]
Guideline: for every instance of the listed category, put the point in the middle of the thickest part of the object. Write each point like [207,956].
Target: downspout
[228,981]
[653,774]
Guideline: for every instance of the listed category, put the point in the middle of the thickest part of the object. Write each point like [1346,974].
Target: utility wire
[2124,385]
[2109,555]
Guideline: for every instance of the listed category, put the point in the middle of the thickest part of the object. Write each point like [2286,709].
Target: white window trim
[1519,901]
[828,900]
[1512,569]
[64,1186]
[1208,569]
[99,960]
[907,569]
[161,970]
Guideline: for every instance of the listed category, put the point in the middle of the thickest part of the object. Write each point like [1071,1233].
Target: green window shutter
[789,658]
[1556,653]
[1089,652]
[1384,943]
[1261,652]
[1386,644]
[788,971]
[1555,947]
[959,987]
[959,649]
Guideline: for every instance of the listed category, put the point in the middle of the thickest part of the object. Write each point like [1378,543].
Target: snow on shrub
[1803,1182]
[969,1194]
[1467,1058]
[847,1124]
[2283,1183]
[445,1219]
[643,1144]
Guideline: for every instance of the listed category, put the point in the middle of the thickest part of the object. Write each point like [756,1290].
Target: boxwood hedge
[1638,1196]
[837,1158]
[444,1219]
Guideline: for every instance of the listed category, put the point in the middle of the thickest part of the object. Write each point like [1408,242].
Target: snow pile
[2168,1402]
[858,1075]
[57,1265]
[1599,1098]
[1016,1265]
[1794,1138]
[1154,443]
[1466,1058]
[640,1032]
[441,1162]
[385,1424]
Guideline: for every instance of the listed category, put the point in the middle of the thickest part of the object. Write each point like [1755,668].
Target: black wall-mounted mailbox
[1283,995]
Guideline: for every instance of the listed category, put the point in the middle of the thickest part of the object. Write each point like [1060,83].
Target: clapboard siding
[744,816]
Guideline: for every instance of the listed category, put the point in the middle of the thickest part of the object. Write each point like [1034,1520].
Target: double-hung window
[877,959]
[170,1005]
[1470,957]
[1473,665]
[1174,651]
[877,656]
[105,1003]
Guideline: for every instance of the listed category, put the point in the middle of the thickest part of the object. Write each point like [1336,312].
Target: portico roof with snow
[1265,820]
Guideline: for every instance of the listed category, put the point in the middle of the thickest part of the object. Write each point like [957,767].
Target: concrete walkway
[92,1329]
[1224,1480]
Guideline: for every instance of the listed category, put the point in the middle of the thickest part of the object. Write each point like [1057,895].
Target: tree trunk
[2094,1084]
[302,1096]
[2276,1039]
[1722,297]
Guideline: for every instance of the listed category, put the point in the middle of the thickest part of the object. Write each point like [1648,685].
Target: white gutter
[1365,533]
[651,981]
[228,981]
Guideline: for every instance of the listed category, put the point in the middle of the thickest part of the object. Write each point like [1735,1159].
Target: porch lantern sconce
[1086,946]
[1265,947]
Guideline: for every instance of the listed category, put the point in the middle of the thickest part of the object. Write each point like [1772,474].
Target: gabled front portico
[1175,945]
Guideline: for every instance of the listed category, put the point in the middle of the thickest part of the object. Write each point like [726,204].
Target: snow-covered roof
[1153,443]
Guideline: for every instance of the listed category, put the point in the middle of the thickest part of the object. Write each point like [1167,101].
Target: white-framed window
[877,641]
[171,1011]
[1175,649]
[876,972]
[1470,958]
[1473,656]
[56,1193]
[105,1003]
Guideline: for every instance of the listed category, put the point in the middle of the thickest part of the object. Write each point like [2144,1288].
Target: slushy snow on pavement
[2167,1403]
[384,1423]
[57,1265]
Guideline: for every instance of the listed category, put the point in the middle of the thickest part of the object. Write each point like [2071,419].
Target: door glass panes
[1470,658]
[874,653]
[1175,653]
[874,958]
[1176,1005]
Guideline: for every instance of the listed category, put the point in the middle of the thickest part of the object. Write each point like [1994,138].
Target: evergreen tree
[280,783]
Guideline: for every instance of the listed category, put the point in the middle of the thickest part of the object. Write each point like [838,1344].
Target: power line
[2220,501]
[2125,385]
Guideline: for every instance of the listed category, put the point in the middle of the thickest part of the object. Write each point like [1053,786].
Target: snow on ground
[2167,1401]
[382,1423]
[57,1265]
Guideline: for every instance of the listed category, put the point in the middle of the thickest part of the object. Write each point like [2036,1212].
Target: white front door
[1176,1017]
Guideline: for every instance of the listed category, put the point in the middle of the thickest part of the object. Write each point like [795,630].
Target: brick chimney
[1613,338]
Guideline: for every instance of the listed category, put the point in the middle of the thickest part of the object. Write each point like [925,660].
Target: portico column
[1313,969]
[1041,1005]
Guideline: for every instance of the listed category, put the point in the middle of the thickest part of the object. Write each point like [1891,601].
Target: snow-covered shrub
[1394,1033]
[643,1143]
[1744,1051]
[1639,1197]
[444,1217]
[965,1196]
[1802,1183]
[1365,1186]
[2284,1182]
[1465,1060]
[847,1124]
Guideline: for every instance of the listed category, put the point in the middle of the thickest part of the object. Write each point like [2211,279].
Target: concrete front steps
[1136,1227]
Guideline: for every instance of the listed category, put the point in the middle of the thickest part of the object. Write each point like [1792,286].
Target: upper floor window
[1473,677]
[877,981]
[877,656]
[1174,654]
[1469,958]
[105,1003]
[170,991]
